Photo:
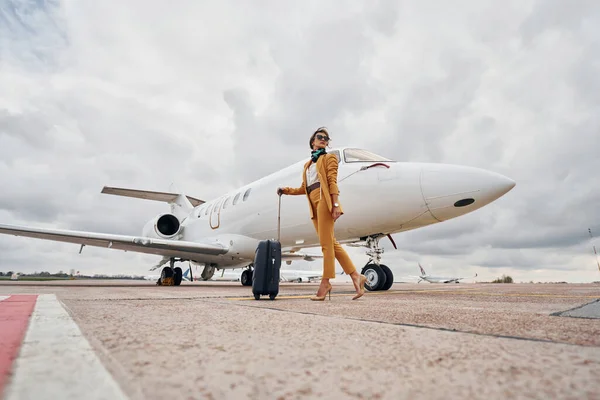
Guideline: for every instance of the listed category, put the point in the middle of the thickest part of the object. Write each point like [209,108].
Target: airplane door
[215,214]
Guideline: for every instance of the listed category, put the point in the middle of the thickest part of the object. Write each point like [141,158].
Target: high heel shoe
[361,286]
[321,298]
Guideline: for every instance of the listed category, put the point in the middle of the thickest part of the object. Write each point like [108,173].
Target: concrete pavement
[212,340]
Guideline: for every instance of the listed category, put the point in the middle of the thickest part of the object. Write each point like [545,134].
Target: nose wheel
[379,277]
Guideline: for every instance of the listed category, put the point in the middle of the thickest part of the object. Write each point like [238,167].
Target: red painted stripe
[14,320]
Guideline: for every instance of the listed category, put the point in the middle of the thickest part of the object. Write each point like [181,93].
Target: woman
[319,184]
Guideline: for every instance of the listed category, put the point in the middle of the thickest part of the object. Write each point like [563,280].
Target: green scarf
[315,154]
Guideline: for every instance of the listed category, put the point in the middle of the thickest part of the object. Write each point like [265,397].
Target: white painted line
[57,362]
[4,297]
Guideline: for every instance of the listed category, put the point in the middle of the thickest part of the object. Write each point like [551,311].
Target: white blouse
[311,174]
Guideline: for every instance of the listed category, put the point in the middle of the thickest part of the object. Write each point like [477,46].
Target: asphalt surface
[435,341]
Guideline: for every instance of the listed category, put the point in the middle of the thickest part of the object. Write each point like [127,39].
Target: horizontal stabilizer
[148,195]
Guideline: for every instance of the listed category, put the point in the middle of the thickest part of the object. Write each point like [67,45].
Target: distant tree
[504,279]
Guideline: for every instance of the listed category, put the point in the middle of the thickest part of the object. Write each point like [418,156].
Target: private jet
[437,279]
[293,275]
[380,197]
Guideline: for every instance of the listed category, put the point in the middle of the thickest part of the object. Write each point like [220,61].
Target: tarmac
[211,340]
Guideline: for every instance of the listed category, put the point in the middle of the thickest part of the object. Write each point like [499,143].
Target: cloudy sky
[148,94]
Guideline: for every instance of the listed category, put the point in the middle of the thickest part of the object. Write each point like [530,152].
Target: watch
[336,204]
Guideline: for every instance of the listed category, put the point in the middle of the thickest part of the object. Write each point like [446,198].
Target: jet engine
[164,226]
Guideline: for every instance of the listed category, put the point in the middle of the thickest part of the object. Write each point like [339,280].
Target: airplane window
[236,198]
[358,155]
[200,211]
[226,202]
[207,210]
[247,193]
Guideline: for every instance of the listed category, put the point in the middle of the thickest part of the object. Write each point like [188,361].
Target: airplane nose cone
[450,191]
[503,185]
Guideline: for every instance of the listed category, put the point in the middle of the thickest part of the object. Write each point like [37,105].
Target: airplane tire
[246,278]
[376,278]
[178,276]
[166,277]
[389,277]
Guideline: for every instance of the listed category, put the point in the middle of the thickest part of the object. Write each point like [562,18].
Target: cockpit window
[358,155]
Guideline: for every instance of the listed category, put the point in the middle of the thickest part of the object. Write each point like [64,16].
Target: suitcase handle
[279,220]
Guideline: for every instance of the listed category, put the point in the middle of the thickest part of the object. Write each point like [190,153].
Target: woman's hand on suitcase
[280,191]
[336,213]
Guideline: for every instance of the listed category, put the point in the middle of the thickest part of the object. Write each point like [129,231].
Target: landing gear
[389,281]
[178,276]
[379,276]
[208,272]
[246,277]
[170,276]
[166,277]
[376,278]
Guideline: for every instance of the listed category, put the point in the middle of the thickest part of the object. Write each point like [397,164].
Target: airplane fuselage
[388,197]
[437,279]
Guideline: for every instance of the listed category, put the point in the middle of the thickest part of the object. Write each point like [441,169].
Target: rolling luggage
[267,264]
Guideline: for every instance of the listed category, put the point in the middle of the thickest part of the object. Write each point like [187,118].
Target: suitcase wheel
[272,296]
[257,296]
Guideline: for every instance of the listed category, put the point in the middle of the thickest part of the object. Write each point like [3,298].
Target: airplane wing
[291,256]
[167,248]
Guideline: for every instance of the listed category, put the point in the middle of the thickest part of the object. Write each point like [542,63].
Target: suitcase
[267,265]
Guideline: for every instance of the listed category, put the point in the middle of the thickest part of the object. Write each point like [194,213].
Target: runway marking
[434,328]
[56,361]
[14,317]
[461,292]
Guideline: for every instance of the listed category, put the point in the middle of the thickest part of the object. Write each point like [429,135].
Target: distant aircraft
[437,279]
[153,278]
[292,275]
[379,196]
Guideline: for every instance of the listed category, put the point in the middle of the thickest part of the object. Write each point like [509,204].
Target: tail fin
[187,274]
[180,204]
[422,270]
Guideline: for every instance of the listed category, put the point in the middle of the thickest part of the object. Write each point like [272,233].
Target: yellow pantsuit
[320,208]
[332,250]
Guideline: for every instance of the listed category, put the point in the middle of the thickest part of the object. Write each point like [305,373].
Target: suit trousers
[332,250]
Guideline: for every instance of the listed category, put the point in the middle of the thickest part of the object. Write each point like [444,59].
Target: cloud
[209,97]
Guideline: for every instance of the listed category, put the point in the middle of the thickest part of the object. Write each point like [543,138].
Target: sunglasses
[321,137]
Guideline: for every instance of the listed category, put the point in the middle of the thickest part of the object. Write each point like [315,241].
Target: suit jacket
[327,170]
